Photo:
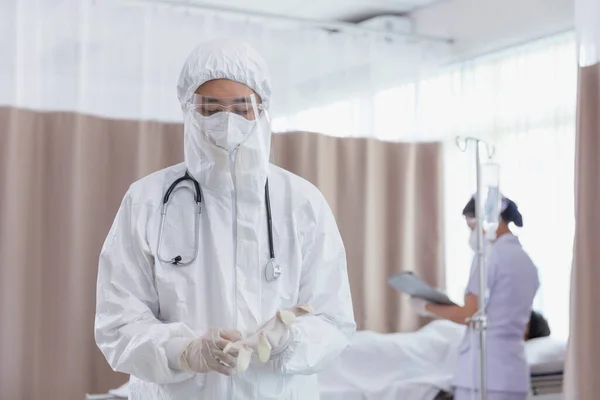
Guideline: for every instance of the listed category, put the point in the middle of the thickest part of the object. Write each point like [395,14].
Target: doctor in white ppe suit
[167,324]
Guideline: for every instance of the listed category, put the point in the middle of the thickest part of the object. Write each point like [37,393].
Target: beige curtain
[62,177]
[387,198]
[583,358]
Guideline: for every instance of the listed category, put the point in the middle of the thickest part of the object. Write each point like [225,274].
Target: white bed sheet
[414,365]
[546,355]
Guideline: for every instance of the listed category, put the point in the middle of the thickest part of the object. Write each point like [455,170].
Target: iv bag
[491,198]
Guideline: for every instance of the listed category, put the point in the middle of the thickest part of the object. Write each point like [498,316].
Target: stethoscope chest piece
[272,270]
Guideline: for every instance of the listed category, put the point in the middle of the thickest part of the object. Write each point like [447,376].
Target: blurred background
[369,97]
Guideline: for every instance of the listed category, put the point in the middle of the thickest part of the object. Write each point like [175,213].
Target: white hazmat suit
[148,311]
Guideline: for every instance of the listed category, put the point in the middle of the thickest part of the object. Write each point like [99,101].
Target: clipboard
[411,284]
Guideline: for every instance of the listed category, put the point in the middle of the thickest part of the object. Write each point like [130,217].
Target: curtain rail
[329,25]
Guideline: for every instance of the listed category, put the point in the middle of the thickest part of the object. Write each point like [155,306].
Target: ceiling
[475,26]
[338,10]
[483,26]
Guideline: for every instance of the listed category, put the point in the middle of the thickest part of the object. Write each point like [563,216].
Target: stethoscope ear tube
[186,177]
[272,269]
[269,222]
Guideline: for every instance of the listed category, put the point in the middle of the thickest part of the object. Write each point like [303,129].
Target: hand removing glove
[206,353]
[272,337]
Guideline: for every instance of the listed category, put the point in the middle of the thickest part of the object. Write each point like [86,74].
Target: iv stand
[478,322]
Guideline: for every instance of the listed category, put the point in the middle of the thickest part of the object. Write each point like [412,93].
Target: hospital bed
[546,358]
[417,366]
[420,365]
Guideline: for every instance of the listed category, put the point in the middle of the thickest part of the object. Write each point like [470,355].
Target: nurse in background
[512,282]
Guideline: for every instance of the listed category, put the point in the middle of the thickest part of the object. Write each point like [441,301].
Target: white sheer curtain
[523,101]
[122,59]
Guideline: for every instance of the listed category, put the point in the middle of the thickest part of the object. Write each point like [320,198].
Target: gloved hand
[206,353]
[272,337]
[418,305]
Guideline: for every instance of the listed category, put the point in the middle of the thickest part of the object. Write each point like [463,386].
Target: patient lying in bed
[415,365]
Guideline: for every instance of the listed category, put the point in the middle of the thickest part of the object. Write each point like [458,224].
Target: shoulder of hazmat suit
[147,310]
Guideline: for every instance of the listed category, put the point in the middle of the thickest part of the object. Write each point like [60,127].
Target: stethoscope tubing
[177,260]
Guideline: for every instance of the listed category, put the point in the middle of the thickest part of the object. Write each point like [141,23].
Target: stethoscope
[272,269]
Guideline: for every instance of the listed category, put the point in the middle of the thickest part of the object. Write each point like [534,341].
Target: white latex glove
[271,338]
[418,305]
[206,353]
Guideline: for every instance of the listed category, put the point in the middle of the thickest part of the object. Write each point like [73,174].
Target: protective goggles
[248,107]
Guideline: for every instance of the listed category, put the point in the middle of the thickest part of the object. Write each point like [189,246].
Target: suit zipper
[234,220]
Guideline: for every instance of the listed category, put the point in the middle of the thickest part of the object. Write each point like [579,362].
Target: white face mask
[209,143]
[473,240]
[225,129]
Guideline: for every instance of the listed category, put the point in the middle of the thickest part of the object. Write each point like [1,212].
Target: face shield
[228,121]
